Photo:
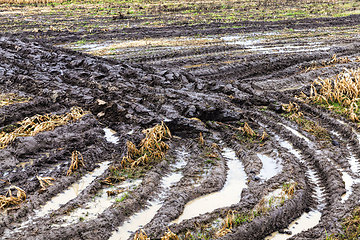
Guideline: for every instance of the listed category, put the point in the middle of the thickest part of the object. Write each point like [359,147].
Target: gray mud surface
[224,87]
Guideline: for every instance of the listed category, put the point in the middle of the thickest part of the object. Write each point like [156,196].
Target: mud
[213,88]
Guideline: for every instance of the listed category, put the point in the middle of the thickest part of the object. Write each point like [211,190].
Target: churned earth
[237,166]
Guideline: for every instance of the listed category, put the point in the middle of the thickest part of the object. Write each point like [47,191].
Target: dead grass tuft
[227,225]
[201,139]
[151,148]
[340,93]
[247,130]
[169,235]
[141,235]
[10,200]
[45,182]
[39,123]
[77,160]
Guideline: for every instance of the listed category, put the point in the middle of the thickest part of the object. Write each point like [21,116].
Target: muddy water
[270,166]
[257,43]
[99,204]
[308,219]
[230,194]
[72,192]
[140,219]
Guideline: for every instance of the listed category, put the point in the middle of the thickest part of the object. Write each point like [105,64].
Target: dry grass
[151,148]
[30,1]
[234,218]
[45,182]
[11,98]
[334,60]
[114,192]
[201,139]
[39,123]
[77,160]
[169,235]
[141,235]
[227,225]
[340,93]
[247,130]
[10,200]
[351,228]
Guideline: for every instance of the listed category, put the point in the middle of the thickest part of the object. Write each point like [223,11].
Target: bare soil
[209,88]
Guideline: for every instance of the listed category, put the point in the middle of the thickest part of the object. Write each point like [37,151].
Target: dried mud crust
[214,101]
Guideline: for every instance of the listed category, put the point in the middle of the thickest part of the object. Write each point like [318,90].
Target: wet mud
[212,89]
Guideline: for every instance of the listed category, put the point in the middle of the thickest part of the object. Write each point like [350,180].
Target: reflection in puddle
[270,166]
[72,192]
[140,219]
[230,194]
[24,164]
[309,219]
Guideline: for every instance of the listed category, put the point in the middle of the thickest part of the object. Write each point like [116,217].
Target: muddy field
[235,166]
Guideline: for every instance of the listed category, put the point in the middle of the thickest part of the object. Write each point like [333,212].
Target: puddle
[140,219]
[99,204]
[62,198]
[288,48]
[72,192]
[137,221]
[230,194]
[240,40]
[256,43]
[354,163]
[270,166]
[319,192]
[308,219]
[304,222]
[349,182]
[110,136]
